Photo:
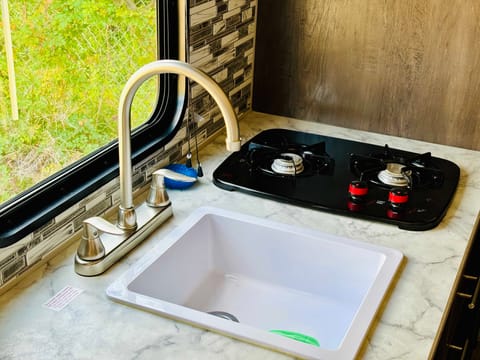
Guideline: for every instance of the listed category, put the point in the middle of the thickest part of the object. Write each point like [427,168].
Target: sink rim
[119,291]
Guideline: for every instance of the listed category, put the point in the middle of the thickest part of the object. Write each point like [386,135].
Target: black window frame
[35,207]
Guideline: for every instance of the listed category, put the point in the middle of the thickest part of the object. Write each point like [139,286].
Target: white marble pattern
[92,326]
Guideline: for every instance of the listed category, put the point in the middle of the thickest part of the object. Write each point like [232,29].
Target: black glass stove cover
[341,176]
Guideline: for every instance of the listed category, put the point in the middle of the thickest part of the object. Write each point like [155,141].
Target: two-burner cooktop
[341,176]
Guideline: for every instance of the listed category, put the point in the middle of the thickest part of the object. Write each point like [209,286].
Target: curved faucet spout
[126,214]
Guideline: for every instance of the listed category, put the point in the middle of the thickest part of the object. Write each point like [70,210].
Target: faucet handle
[158,196]
[91,247]
[99,223]
[173,175]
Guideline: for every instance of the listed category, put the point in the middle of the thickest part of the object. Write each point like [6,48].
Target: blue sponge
[181,169]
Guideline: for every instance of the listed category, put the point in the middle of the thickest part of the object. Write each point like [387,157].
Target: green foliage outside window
[72,59]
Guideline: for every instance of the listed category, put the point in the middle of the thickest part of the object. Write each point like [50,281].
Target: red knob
[358,188]
[398,196]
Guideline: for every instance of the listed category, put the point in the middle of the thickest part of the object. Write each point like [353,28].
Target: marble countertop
[92,326]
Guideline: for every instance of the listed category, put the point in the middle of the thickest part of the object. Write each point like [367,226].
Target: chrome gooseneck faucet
[103,243]
[126,217]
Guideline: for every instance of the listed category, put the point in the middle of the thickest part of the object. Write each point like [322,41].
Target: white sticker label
[62,298]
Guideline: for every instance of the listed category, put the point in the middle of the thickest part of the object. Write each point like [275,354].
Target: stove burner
[395,175]
[288,164]
[280,157]
[392,168]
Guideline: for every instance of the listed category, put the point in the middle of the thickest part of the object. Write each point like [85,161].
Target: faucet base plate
[149,219]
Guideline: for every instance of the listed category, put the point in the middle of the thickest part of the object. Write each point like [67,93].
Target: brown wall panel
[403,67]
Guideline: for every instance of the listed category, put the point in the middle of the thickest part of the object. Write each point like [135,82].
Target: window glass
[71,61]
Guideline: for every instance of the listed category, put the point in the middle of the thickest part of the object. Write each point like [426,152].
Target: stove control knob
[358,190]
[398,197]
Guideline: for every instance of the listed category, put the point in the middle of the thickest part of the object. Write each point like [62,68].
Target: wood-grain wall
[409,68]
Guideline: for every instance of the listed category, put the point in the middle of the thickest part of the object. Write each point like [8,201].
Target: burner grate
[390,168]
[285,159]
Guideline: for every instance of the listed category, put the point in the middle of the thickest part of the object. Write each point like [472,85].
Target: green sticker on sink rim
[297,336]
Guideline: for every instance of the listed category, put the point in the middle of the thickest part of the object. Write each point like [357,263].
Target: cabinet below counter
[92,326]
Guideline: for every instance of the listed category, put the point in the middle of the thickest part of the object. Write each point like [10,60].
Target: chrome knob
[91,247]
[158,197]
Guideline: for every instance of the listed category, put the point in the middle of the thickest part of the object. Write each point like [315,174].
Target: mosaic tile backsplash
[221,42]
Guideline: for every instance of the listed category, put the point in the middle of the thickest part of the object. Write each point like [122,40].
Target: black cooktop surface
[341,176]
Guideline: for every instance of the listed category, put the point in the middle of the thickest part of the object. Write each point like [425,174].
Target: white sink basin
[270,276]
